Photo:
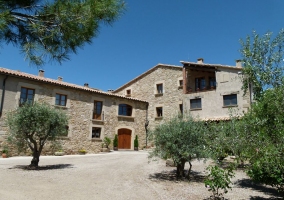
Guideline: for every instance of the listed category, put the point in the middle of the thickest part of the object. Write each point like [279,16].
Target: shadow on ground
[247,183]
[43,167]
[171,176]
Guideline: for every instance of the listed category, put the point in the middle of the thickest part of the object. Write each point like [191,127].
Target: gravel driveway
[117,175]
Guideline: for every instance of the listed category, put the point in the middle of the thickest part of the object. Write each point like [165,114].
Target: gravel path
[117,175]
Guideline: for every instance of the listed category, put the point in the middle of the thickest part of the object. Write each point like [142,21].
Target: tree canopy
[51,30]
[31,126]
[262,57]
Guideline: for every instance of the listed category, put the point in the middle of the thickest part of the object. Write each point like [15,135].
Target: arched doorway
[124,138]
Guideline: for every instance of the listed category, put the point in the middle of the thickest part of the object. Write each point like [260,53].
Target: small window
[96,132]
[128,92]
[181,108]
[212,82]
[230,100]
[125,110]
[60,99]
[200,84]
[180,83]
[195,104]
[27,96]
[160,88]
[98,106]
[159,111]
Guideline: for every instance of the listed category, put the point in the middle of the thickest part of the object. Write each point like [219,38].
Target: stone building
[210,90]
[161,86]
[93,114]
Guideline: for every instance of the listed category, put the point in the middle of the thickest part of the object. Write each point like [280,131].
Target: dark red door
[124,138]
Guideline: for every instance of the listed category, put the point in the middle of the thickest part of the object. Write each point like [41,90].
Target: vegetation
[136,143]
[31,126]
[51,30]
[115,141]
[107,141]
[219,179]
[181,140]
[263,62]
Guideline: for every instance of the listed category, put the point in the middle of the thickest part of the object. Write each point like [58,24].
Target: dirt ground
[119,175]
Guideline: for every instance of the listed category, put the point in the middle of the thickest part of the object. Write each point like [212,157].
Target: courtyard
[117,175]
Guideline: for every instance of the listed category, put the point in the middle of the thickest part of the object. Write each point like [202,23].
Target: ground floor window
[195,103]
[96,132]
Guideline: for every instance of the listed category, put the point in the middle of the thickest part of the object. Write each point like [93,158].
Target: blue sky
[160,31]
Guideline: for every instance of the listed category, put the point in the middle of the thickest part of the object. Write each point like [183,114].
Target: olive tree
[31,126]
[180,139]
[51,30]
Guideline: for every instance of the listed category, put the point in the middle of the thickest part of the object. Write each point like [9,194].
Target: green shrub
[107,141]
[136,143]
[115,141]
[218,179]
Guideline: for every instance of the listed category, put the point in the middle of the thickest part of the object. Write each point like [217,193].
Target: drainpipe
[146,123]
[3,95]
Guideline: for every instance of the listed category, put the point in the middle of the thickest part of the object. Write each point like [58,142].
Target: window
[27,96]
[125,110]
[160,88]
[159,111]
[96,132]
[128,92]
[195,103]
[230,100]
[212,82]
[200,84]
[60,99]
[98,106]
[181,108]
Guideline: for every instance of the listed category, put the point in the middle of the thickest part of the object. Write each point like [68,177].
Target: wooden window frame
[60,99]
[198,83]
[97,112]
[26,98]
[125,110]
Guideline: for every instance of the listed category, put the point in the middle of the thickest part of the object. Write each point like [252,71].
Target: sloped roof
[210,65]
[146,73]
[59,83]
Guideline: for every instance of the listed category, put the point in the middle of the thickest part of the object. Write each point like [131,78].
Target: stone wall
[145,88]
[79,108]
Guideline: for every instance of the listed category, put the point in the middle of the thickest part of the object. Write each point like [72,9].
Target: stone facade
[169,96]
[79,108]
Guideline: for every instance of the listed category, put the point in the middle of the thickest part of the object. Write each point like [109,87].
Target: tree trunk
[180,168]
[35,160]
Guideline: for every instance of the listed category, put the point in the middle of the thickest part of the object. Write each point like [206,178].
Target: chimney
[59,78]
[239,63]
[41,73]
[200,60]
[110,90]
[86,84]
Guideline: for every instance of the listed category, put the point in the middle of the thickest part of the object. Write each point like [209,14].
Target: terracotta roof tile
[210,65]
[59,83]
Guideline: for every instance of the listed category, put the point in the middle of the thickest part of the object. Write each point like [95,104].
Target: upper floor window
[200,83]
[159,88]
[195,103]
[27,96]
[125,110]
[98,106]
[60,99]
[230,100]
[159,111]
[128,92]
[212,82]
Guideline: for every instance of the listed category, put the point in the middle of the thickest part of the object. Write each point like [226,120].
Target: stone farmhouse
[93,114]
[206,91]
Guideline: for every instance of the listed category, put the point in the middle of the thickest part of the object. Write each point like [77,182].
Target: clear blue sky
[160,31]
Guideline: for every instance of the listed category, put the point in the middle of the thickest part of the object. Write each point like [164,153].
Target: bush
[115,141]
[136,143]
[107,141]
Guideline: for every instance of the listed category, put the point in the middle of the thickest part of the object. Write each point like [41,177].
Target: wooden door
[124,138]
